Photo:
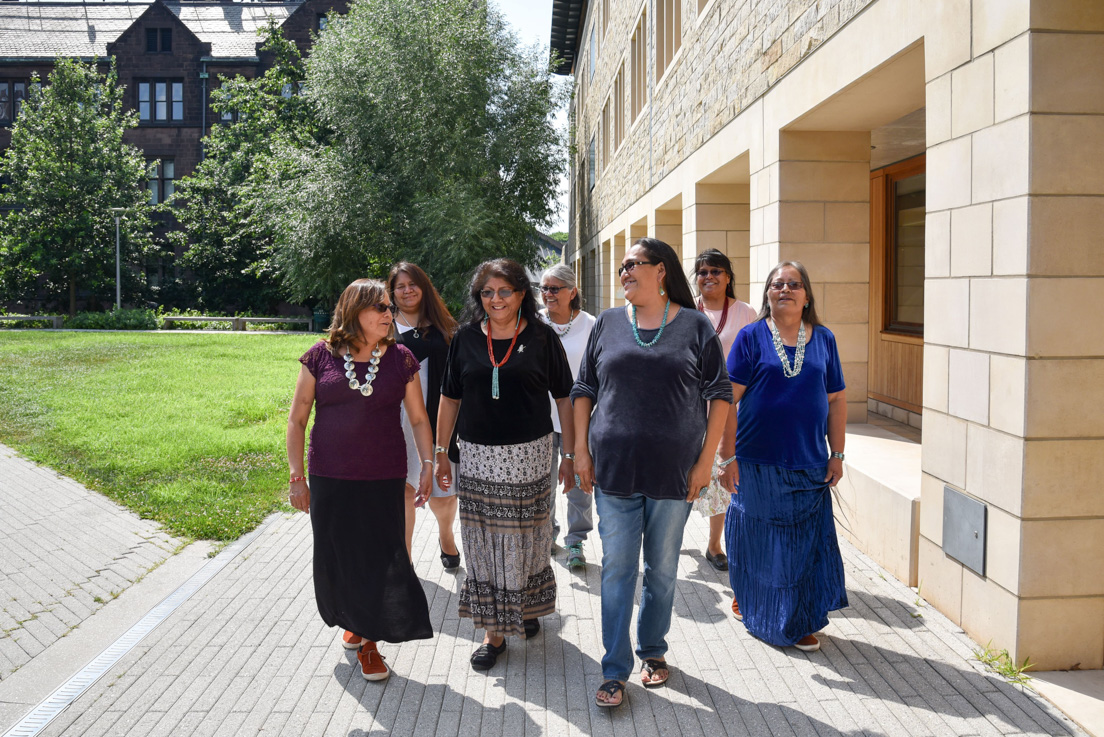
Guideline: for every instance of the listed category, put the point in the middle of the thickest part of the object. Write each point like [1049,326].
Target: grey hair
[563,272]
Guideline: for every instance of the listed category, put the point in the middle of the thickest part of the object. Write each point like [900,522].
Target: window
[592,49]
[619,107]
[323,21]
[162,176]
[607,150]
[160,100]
[12,94]
[904,186]
[158,40]
[605,15]
[591,174]
[668,33]
[638,82]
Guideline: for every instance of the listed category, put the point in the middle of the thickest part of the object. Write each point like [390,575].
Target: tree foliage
[227,236]
[67,166]
[442,150]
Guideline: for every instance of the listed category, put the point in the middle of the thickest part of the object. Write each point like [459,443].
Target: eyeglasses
[551,290]
[793,285]
[703,273]
[630,265]
[504,293]
[382,307]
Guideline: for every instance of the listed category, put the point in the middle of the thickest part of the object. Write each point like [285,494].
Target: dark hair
[713,257]
[678,289]
[433,307]
[564,273]
[513,274]
[344,331]
[809,313]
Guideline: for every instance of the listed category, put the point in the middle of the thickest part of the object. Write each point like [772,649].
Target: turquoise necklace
[636,331]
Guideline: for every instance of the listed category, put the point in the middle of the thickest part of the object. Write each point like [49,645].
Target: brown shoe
[808,644]
[372,666]
[349,641]
[736,611]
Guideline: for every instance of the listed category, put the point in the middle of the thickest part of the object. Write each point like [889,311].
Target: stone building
[169,56]
[810,130]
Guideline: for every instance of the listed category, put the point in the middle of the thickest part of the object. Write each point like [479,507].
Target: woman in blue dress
[786,569]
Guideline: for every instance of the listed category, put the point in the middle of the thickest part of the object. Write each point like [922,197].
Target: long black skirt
[363,578]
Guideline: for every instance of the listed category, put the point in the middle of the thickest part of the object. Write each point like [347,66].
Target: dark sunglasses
[504,293]
[382,307]
[703,273]
[793,285]
[630,265]
[551,290]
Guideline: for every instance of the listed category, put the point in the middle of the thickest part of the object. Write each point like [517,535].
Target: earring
[806,305]
[661,292]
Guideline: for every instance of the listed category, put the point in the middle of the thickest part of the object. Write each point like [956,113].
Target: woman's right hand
[584,470]
[299,496]
[730,477]
[444,472]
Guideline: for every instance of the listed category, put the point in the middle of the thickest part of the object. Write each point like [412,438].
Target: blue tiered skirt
[784,560]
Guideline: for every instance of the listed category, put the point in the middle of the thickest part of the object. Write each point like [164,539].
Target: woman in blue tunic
[786,570]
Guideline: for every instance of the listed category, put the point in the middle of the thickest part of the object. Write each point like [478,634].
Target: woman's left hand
[567,474]
[835,471]
[425,485]
[698,479]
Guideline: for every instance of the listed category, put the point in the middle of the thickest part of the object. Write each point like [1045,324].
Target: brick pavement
[65,552]
[247,654]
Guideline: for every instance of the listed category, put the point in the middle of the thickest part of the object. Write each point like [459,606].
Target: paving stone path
[65,551]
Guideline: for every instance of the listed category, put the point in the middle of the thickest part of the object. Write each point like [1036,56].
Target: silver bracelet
[569,456]
[837,455]
[440,449]
[426,460]
[725,463]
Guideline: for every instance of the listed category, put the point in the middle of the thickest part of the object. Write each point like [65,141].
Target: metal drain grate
[67,693]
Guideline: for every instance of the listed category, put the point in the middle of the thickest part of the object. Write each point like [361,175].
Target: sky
[532,20]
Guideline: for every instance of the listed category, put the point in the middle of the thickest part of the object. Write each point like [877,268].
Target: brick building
[169,56]
[936,166]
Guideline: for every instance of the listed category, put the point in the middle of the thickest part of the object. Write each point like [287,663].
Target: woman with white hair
[563,311]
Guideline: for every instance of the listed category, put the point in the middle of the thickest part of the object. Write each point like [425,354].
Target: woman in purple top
[785,566]
[356,379]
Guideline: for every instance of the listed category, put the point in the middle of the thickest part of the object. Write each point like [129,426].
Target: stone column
[818,212]
[1013,367]
[717,216]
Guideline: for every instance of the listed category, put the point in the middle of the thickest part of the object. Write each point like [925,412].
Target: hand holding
[835,471]
[425,486]
[584,471]
[444,472]
[730,477]
[299,495]
[698,479]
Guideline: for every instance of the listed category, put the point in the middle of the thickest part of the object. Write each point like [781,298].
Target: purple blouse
[356,437]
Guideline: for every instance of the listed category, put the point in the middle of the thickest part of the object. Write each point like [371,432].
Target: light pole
[118,284]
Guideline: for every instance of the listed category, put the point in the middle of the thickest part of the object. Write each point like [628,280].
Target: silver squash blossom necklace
[780,348]
[369,377]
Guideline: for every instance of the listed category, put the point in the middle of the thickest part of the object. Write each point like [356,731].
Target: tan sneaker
[736,611]
[808,644]
[372,666]
[349,641]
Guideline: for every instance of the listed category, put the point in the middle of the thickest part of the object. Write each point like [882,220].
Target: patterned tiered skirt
[506,530]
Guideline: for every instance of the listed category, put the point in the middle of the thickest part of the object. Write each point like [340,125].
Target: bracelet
[438,449]
[569,456]
[837,455]
[426,460]
[725,463]
[293,479]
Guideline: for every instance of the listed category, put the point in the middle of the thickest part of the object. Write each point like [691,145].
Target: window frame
[159,36]
[156,178]
[638,69]
[665,57]
[886,232]
[171,102]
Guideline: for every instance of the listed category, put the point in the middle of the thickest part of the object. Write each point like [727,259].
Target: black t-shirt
[522,413]
[430,345]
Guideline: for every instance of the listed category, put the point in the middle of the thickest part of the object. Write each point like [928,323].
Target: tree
[443,149]
[227,237]
[67,166]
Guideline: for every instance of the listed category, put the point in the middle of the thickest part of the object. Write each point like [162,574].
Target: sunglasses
[630,265]
[793,285]
[551,290]
[382,307]
[504,293]
[703,273]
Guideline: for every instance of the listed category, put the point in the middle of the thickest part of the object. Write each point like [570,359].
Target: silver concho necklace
[373,369]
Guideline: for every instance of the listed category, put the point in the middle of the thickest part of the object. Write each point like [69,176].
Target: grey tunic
[650,404]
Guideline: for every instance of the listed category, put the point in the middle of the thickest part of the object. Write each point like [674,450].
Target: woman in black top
[502,365]
[423,324]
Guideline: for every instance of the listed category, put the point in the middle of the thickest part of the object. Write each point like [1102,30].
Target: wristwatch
[837,455]
[569,456]
[438,449]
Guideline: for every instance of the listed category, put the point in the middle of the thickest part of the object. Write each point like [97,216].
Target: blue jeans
[623,524]
[580,518]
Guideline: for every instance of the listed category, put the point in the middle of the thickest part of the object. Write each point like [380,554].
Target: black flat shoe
[718,561]
[532,627]
[450,562]
[486,655]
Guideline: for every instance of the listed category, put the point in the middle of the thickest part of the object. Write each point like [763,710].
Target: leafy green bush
[136,319]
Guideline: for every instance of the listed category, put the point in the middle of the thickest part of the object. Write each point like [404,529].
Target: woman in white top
[713,275]
[563,310]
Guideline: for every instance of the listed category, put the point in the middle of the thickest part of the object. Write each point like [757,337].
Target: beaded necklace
[724,314]
[548,319]
[370,376]
[490,352]
[636,331]
[780,348]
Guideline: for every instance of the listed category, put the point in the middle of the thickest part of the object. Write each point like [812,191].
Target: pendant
[366,390]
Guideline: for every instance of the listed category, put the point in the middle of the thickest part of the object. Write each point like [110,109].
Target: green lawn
[184,429]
